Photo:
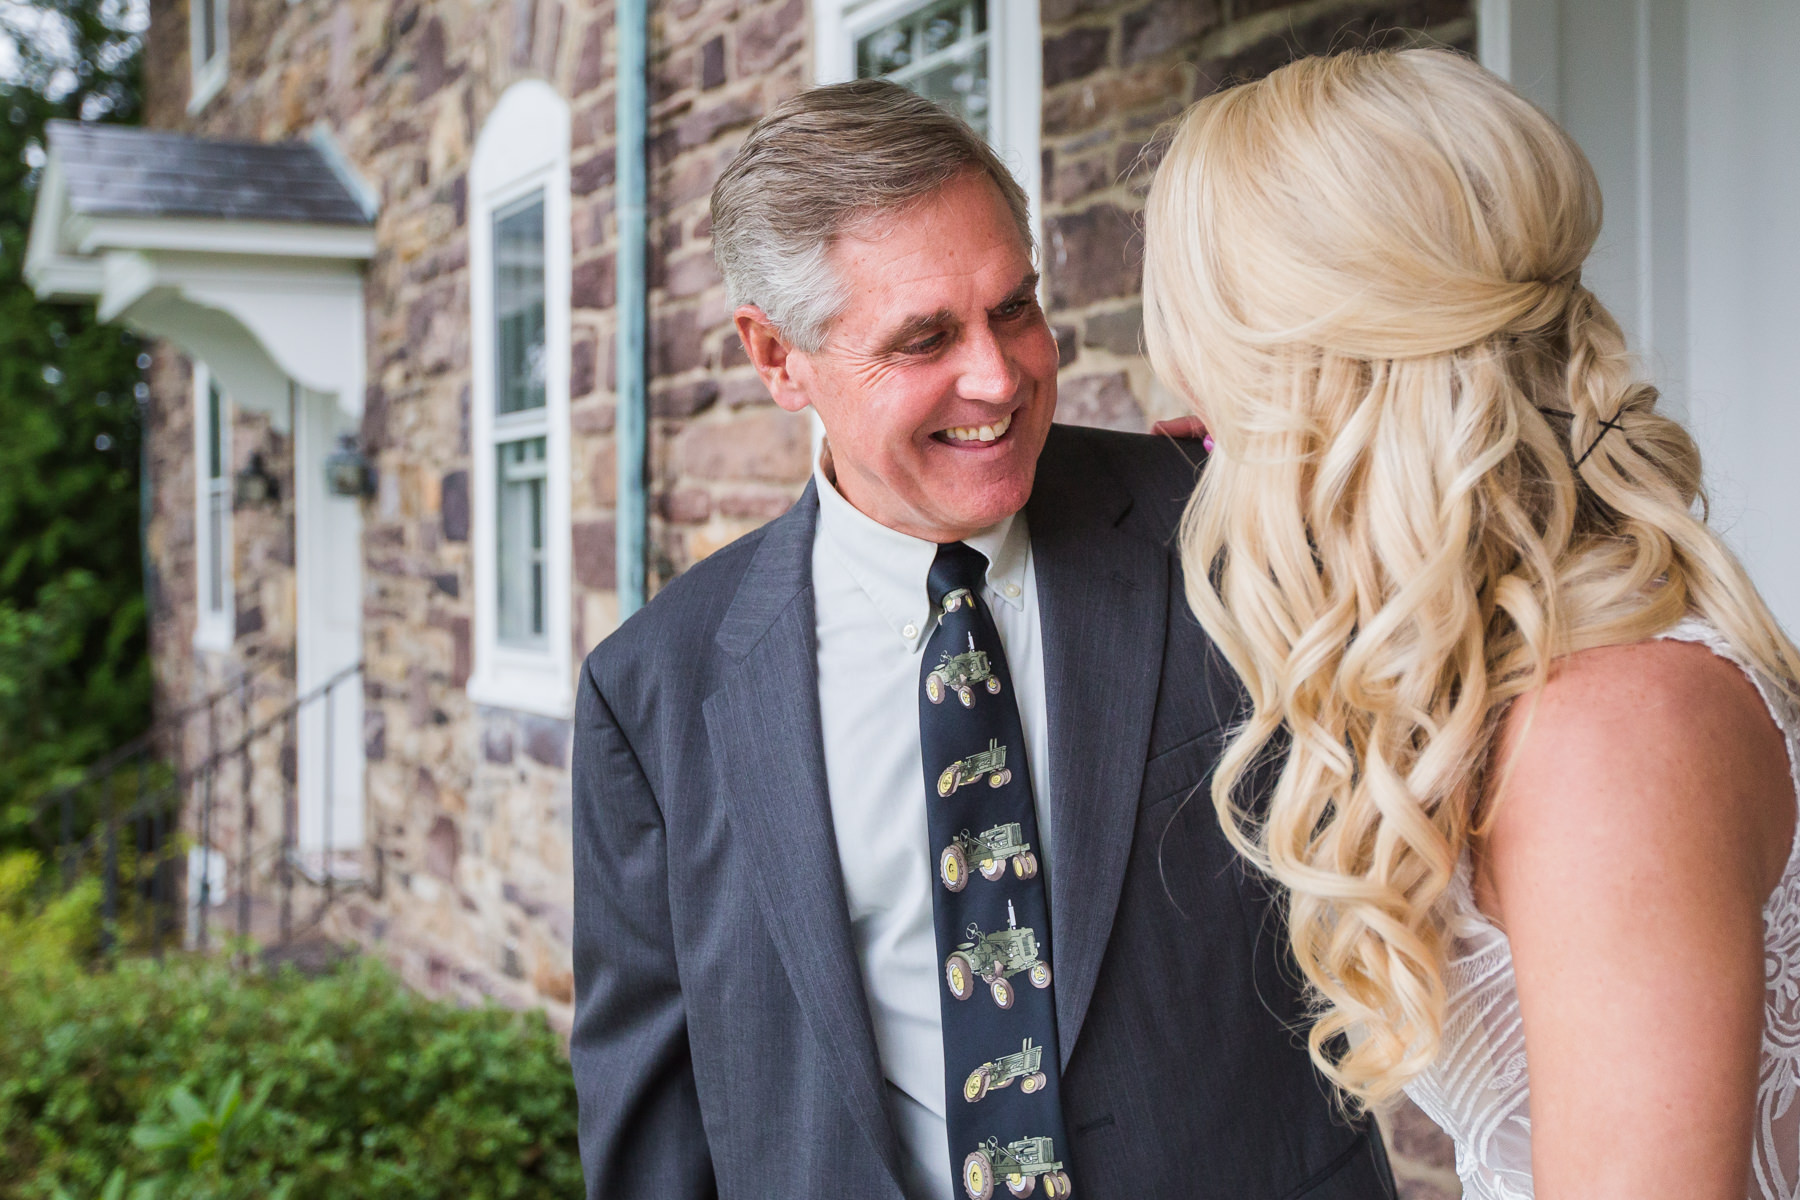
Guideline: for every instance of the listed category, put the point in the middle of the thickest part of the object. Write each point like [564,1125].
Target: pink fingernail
[1207,443]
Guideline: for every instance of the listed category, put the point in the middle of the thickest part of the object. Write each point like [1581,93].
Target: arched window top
[527,132]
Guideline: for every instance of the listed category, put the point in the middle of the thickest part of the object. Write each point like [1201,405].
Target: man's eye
[1014,308]
[926,345]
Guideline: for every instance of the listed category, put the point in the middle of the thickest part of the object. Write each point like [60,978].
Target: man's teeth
[980,433]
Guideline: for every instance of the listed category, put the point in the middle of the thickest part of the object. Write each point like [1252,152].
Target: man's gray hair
[822,161]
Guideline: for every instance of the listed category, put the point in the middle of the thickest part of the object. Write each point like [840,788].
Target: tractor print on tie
[988,854]
[1024,1066]
[1021,1164]
[990,762]
[954,600]
[994,958]
[960,673]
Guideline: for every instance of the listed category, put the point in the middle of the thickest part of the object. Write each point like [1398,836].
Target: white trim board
[211,235]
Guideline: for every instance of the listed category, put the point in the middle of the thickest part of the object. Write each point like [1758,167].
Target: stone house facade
[422,107]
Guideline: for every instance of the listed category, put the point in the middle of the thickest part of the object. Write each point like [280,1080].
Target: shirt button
[1012,589]
[910,632]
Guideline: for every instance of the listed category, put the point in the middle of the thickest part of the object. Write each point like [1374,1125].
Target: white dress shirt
[873,618]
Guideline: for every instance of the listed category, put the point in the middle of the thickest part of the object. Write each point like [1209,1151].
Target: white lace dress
[1479,1090]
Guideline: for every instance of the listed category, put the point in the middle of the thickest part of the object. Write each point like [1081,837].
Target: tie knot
[957,565]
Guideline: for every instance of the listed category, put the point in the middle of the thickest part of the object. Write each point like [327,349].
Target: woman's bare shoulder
[1631,754]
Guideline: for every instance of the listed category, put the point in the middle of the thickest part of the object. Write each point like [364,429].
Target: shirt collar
[891,566]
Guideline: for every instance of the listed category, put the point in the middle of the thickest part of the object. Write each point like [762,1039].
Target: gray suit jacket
[722,1043]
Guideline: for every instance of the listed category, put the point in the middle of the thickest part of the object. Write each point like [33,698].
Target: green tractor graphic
[1023,1066]
[988,854]
[1021,1164]
[990,762]
[994,958]
[960,673]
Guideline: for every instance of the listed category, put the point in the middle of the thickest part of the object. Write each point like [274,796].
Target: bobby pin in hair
[1606,424]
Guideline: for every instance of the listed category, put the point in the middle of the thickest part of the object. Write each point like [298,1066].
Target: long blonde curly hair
[1435,472]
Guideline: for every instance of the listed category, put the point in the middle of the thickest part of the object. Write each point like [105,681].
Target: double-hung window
[209,26]
[982,59]
[214,606]
[519,296]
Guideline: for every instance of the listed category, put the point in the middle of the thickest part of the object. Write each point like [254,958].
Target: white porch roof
[248,256]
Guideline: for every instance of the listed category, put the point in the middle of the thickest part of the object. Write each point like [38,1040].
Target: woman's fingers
[1180,427]
[1185,427]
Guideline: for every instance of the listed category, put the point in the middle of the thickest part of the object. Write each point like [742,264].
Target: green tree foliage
[131,1080]
[74,671]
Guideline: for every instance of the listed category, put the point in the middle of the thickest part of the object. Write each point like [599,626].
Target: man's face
[937,382]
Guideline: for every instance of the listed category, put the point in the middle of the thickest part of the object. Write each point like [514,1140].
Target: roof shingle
[115,170]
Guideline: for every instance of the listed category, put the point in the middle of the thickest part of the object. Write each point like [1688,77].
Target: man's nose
[987,373]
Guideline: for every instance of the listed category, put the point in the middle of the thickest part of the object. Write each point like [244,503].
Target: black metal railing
[123,821]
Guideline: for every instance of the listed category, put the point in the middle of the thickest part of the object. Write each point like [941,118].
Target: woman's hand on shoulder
[1643,816]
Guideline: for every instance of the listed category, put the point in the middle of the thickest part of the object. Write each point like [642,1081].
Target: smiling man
[887,879]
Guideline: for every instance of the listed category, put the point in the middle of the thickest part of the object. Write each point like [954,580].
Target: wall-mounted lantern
[254,484]
[347,471]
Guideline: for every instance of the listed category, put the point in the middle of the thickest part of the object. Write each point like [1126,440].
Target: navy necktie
[990,904]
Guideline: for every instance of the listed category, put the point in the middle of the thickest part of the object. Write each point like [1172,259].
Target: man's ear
[771,355]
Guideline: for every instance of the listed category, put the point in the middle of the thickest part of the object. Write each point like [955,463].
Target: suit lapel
[764,725]
[1103,604]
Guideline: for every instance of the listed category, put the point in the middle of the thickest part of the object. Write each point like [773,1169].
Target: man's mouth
[963,435]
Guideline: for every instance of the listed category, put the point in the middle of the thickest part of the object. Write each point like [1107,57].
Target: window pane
[519,542]
[884,51]
[941,29]
[215,432]
[215,548]
[209,29]
[519,305]
[960,87]
[939,51]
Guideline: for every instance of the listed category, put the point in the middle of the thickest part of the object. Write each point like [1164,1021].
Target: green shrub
[189,1080]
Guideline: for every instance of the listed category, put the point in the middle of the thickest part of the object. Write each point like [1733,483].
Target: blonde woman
[1536,730]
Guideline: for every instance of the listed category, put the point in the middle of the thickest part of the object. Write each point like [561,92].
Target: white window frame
[214,628]
[523,148]
[1015,75]
[208,76]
